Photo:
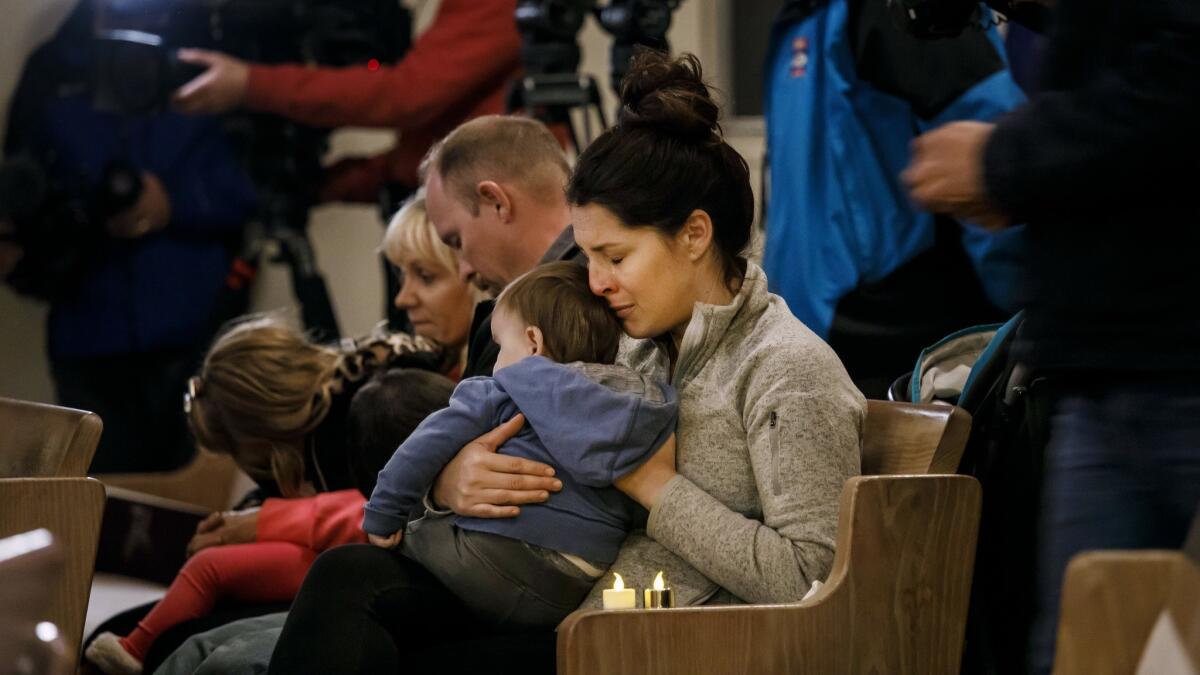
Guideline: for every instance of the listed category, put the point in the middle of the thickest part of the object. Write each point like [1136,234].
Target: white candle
[619,597]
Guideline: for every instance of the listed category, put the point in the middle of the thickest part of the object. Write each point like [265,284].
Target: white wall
[345,236]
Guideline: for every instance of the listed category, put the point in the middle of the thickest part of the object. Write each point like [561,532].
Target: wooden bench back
[895,600]
[71,509]
[38,440]
[913,438]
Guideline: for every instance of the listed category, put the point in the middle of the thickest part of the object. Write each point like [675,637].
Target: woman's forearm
[753,561]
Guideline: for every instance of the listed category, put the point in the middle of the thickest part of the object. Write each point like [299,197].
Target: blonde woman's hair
[264,388]
[411,236]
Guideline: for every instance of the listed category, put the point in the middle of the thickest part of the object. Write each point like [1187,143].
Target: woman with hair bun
[742,503]
[745,508]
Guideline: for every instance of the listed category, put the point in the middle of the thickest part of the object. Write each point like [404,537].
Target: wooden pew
[45,451]
[895,601]
[30,566]
[42,440]
[1126,612]
[70,508]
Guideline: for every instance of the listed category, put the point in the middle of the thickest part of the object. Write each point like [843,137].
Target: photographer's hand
[151,213]
[219,89]
[946,174]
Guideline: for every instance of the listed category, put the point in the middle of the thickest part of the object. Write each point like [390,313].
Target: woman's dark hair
[384,412]
[666,157]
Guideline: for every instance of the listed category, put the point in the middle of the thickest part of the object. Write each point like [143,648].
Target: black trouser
[363,609]
[140,399]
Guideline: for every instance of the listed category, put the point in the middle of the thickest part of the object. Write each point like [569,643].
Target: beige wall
[345,236]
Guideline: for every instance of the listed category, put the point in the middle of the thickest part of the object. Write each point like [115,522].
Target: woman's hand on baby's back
[480,483]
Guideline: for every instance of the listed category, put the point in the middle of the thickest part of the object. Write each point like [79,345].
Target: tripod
[284,163]
[552,87]
[550,54]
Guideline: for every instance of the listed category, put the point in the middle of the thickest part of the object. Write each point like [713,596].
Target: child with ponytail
[310,423]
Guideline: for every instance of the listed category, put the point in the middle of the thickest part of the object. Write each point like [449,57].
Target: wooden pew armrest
[710,639]
[895,600]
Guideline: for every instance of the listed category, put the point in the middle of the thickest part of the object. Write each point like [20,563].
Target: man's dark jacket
[1104,165]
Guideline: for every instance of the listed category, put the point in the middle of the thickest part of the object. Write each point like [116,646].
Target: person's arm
[804,443]
[319,522]
[471,47]
[1126,137]
[473,410]
[356,179]
[479,482]
[595,434]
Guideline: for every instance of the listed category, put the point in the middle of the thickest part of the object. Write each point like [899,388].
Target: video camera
[136,40]
[283,158]
[134,71]
[550,53]
[55,225]
[935,19]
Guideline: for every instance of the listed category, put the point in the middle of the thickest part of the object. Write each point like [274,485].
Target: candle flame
[658,582]
[619,584]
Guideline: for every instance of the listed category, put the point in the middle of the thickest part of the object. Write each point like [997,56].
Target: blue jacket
[159,291]
[837,214]
[592,423]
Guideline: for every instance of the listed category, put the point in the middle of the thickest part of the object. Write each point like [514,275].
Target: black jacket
[1104,166]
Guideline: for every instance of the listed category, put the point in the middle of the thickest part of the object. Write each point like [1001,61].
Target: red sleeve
[321,522]
[357,179]
[469,48]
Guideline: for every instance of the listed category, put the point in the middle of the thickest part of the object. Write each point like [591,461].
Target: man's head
[494,190]
[552,312]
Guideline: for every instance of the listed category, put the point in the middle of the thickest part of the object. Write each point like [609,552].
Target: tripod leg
[309,287]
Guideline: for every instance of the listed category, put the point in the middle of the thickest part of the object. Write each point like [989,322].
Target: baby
[591,420]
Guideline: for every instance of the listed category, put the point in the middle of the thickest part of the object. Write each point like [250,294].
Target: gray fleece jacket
[769,430]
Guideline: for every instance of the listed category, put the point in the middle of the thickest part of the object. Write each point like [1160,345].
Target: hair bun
[669,96]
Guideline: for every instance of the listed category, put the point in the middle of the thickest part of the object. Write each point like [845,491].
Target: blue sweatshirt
[593,423]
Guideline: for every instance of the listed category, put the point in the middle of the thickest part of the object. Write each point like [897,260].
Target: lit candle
[660,596]
[619,597]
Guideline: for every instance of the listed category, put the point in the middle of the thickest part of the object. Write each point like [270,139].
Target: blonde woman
[439,302]
[301,419]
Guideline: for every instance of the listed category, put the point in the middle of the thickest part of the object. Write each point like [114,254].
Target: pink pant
[259,572]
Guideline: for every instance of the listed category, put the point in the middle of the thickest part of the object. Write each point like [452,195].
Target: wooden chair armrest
[713,639]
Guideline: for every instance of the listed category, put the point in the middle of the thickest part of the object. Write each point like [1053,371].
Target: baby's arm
[402,483]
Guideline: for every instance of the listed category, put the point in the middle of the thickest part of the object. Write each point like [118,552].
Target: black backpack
[1010,410]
